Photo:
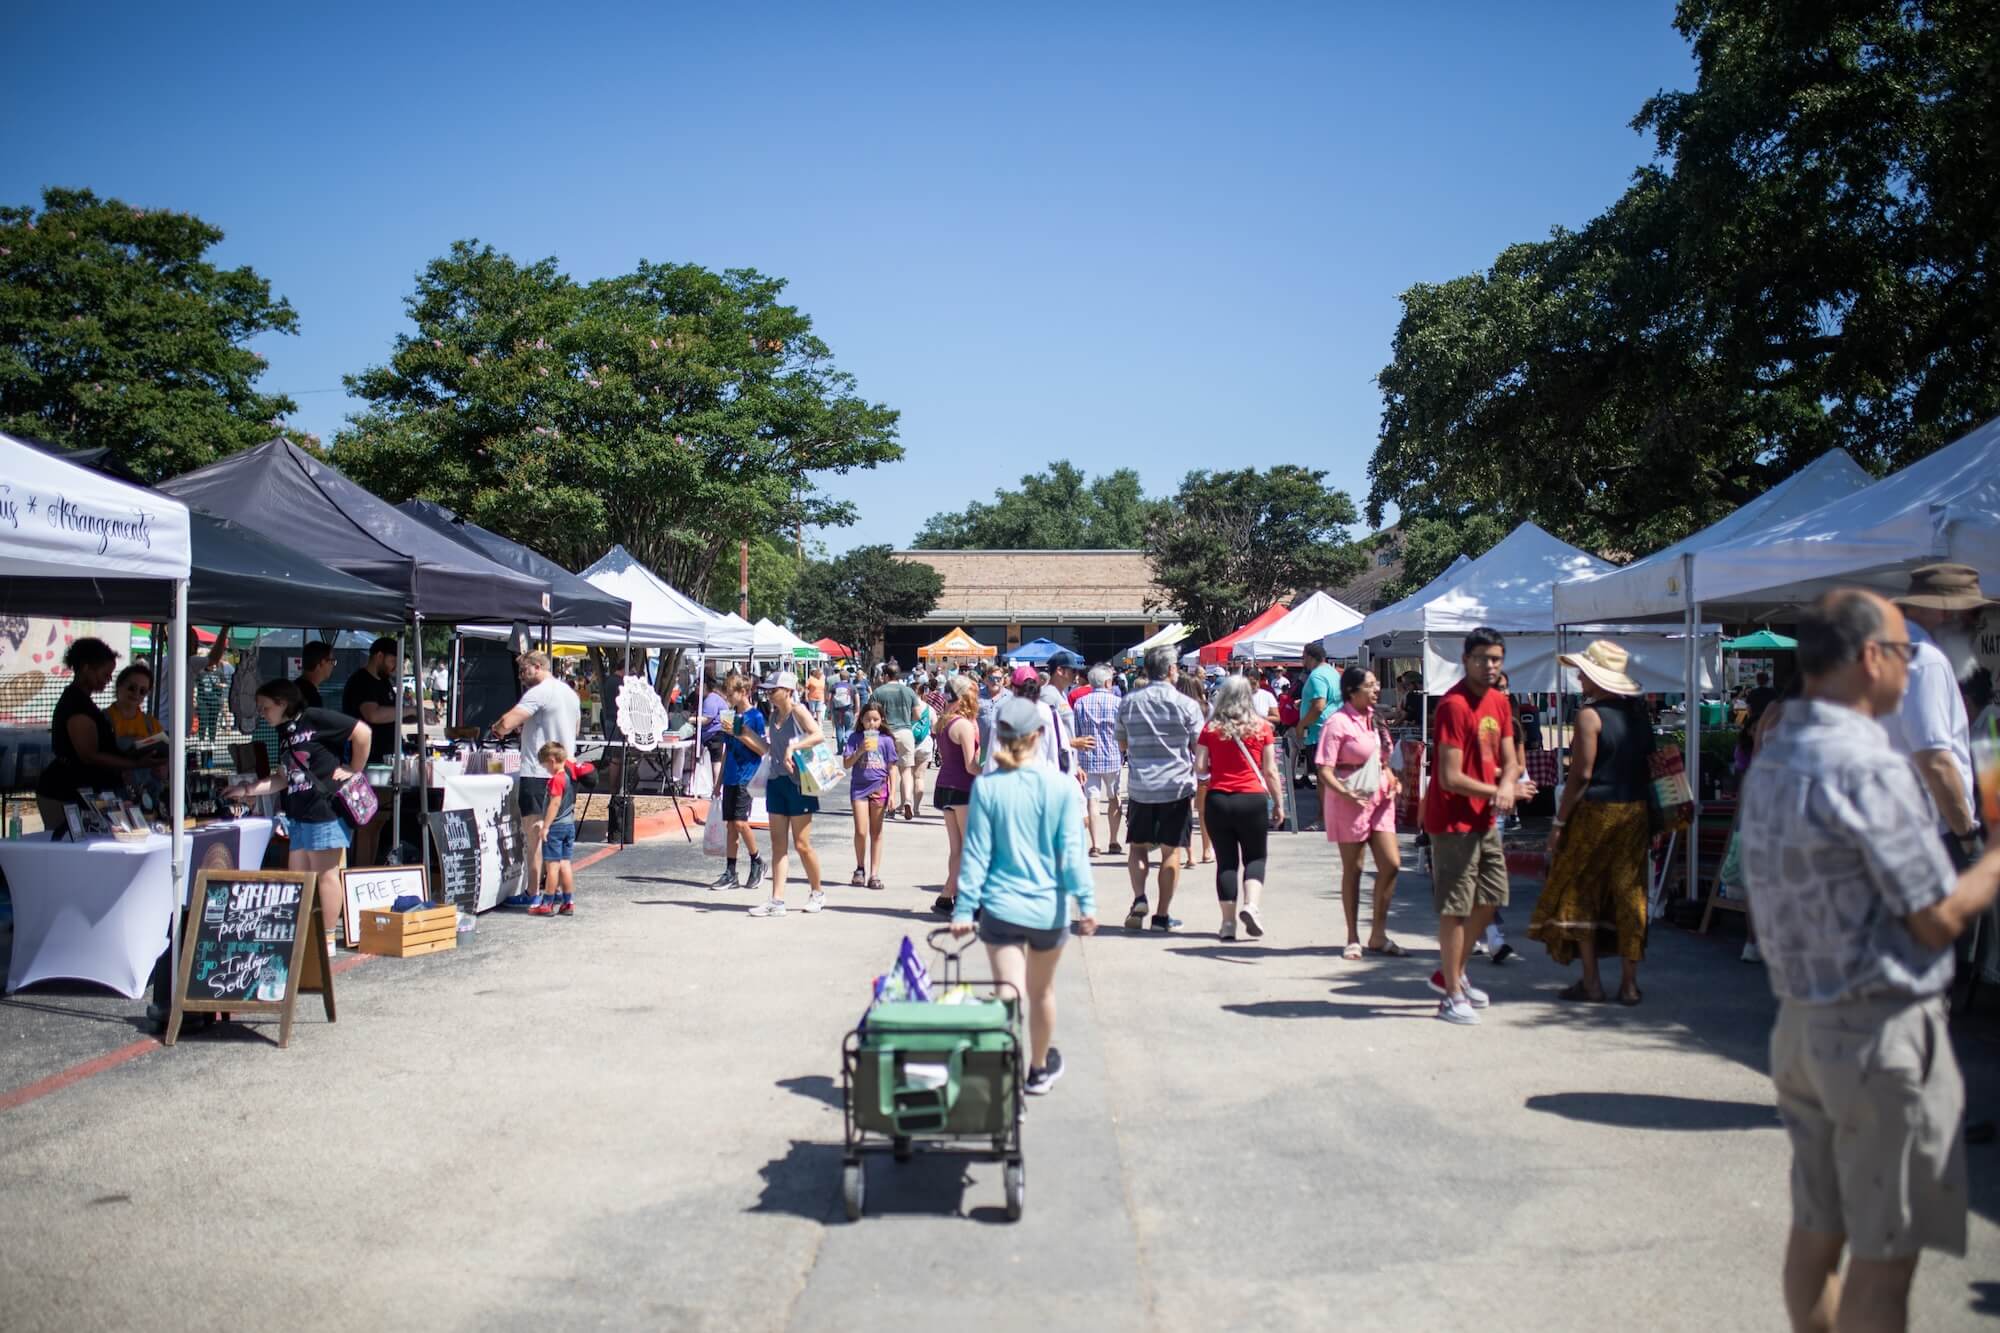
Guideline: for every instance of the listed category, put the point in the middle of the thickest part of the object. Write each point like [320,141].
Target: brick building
[1095,602]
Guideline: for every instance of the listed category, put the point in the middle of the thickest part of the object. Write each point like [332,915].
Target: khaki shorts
[1468,870]
[1871,1095]
[1106,787]
[906,748]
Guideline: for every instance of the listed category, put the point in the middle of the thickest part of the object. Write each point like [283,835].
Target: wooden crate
[407,934]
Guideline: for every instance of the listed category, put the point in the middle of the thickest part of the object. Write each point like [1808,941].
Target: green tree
[1431,542]
[1229,544]
[1055,510]
[1807,266]
[852,597]
[672,409]
[115,332]
[774,572]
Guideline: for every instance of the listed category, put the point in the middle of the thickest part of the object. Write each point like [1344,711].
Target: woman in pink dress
[1359,793]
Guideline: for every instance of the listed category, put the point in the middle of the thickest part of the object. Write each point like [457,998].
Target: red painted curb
[77,1073]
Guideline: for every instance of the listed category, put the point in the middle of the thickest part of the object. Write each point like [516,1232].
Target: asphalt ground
[629,1119]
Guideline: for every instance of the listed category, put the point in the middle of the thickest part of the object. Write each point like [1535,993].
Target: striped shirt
[1157,726]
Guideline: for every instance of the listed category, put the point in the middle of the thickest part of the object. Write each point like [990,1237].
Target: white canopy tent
[1510,588]
[1310,621]
[771,641]
[662,616]
[1658,586]
[1944,507]
[61,522]
[1167,637]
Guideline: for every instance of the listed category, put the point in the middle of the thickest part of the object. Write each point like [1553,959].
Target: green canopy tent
[1762,641]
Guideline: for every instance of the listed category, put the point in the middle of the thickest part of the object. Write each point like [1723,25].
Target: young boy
[739,765]
[559,843]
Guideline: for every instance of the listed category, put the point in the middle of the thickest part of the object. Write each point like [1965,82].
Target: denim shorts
[560,841]
[330,836]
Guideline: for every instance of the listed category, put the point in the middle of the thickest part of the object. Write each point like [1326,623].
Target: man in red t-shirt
[1477,774]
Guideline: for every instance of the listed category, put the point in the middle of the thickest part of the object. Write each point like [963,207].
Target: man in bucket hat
[1931,727]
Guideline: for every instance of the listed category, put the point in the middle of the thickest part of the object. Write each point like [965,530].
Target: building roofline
[1022,550]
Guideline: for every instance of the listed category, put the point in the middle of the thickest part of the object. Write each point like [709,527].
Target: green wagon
[942,1073]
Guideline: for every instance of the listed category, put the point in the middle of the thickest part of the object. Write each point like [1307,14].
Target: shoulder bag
[354,799]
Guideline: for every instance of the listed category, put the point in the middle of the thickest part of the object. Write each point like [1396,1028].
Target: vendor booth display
[1036,652]
[1285,639]
[67,526]
[957,644]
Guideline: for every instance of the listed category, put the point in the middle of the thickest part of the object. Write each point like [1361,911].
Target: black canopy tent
[572,601]
[239,578]
[282,491]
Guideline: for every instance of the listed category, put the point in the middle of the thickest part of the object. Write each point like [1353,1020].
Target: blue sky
[1159,236]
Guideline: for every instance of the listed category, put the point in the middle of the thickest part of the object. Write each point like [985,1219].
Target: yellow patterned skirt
[1597,883]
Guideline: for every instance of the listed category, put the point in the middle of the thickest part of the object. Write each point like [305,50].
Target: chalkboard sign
[376,890]
[253,941]
[507,834]
[456,835]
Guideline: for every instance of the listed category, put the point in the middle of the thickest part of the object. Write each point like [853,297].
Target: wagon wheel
[853,1189]
[1016,1175]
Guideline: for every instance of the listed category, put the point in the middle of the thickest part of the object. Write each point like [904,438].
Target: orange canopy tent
[957,644]
[833,649]
[1217,653]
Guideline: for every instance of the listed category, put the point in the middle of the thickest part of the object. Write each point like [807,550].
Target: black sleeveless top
[1624,746]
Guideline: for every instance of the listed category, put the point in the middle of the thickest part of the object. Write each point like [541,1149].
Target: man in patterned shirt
[1856,908]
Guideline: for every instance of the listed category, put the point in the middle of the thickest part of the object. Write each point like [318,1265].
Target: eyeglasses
[1904,648]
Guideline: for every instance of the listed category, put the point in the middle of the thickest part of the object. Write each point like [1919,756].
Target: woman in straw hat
[1595,900]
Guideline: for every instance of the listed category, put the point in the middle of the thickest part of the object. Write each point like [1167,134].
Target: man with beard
[1931,726]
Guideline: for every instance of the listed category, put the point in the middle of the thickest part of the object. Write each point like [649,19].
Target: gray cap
[1016,718]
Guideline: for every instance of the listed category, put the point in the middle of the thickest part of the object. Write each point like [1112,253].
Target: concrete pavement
[630,1119]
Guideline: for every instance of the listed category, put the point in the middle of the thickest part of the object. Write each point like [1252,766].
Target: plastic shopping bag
[715,833]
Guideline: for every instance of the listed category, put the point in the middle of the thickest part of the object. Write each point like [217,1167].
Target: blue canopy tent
[1036,653]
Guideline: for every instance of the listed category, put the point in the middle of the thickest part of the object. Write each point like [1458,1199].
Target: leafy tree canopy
[1055,510]
[116,333]
[1229,544]
[1808,265]
[852,597]
[671,409]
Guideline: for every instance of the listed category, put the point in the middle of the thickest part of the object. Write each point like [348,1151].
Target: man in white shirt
[1931,726]
[548,711]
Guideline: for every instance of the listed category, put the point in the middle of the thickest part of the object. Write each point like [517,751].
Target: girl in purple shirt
[871,756]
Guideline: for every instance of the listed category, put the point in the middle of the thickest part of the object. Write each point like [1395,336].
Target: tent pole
[177,773]
[396,748]
[423,750]
[1562,753]
[457,713]
[1693,710]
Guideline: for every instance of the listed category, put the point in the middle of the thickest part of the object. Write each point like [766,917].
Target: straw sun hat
[1604,663]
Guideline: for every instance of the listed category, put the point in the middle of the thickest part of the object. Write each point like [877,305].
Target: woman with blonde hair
[958,762]
[1236,764]
[1596,894]
[1024,858]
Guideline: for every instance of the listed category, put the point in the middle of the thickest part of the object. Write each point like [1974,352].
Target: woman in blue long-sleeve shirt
[1024,857]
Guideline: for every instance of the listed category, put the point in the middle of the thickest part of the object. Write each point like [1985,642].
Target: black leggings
[1238,823]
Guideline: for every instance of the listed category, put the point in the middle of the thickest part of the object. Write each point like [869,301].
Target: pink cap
[1025,673]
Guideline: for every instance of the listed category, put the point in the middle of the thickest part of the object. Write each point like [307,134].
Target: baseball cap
[780,680]
[1065,659]
[1017,717]
[1023,674]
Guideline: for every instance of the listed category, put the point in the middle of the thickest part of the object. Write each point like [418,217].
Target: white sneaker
[770,907]
[1252,919]
[1750,953]
[1480,999]
[1228,931]
[1479,949]
[814,901]
[1456,1009]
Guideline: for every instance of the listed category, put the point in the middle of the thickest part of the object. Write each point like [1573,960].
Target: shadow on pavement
[805,1182]
[1330,1009]
[742,902]
[28,998]
[817,1087]
[1646,1110]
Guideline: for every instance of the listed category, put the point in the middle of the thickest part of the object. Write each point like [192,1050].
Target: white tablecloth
[99,910]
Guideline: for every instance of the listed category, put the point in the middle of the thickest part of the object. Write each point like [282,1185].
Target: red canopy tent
[1217,653]
[833,649]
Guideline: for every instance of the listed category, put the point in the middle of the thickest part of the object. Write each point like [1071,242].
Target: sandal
[1576,990]
[1352,953]
[875,882]
[860,877]
[1633,1000]
[1390,949]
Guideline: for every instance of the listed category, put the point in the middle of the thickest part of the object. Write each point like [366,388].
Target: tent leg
[1693,708]
[177,775]
[457,713]
[396,752]
[423,750]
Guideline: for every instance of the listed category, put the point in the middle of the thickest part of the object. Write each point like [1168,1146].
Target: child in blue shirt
[739,764]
